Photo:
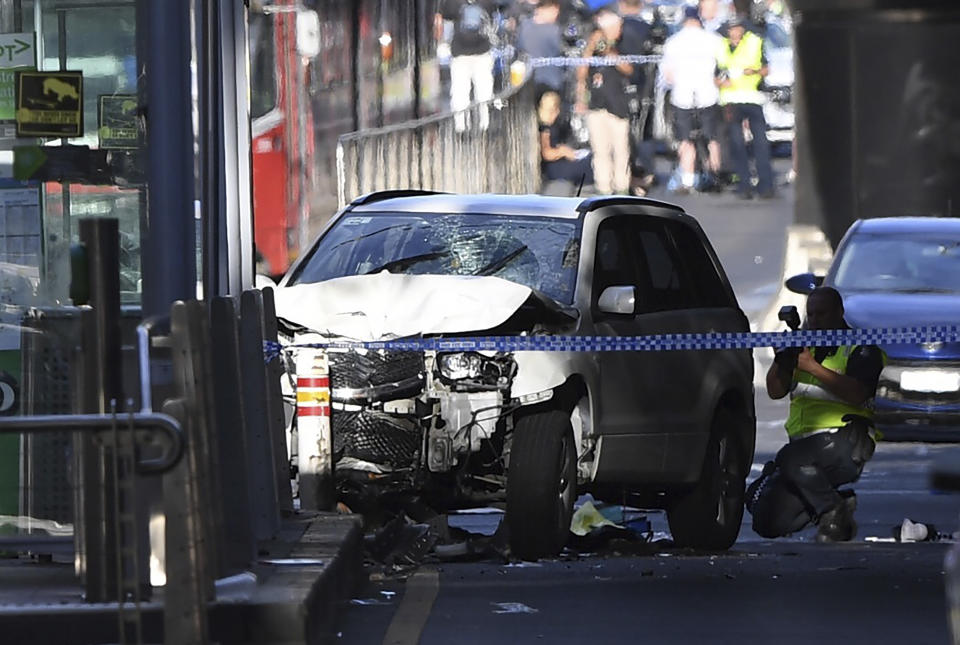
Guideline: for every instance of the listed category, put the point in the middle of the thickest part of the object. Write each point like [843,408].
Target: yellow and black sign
[119,126]
[49,104]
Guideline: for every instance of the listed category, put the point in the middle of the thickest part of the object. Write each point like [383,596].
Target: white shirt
[688,66]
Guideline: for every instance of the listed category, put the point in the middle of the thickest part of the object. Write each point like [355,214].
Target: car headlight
[460,365]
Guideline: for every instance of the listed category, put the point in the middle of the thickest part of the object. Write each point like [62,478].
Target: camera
[791,316]
[787,356]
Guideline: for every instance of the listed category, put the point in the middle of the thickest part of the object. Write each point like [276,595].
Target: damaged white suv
[662,429]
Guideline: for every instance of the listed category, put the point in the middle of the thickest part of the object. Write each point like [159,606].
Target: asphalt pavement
[792,590]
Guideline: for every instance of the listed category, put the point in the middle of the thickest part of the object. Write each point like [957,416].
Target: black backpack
[473,20]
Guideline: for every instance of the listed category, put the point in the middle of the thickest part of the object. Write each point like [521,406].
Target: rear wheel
[541,484]
[709,515]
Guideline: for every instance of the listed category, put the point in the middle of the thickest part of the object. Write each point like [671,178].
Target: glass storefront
[97,170]
[71,146]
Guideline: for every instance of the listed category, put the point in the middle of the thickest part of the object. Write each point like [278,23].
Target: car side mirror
[804,283]
[618,300]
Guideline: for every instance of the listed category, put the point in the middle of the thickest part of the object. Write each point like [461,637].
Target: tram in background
[320,69]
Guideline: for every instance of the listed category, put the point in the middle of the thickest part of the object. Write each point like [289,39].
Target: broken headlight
[461,365]
[474,369]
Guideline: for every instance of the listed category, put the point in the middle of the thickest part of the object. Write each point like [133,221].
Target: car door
[644,396]
[706,305]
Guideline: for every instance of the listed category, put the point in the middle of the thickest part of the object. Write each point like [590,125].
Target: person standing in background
[742,64]
[471,63]
[689,68]
[637,40]
[608,117]
[539,36]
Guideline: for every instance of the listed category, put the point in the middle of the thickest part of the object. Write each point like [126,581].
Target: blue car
[904,271]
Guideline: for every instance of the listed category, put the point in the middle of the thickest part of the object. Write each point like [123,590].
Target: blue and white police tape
[660,342]
[594,61]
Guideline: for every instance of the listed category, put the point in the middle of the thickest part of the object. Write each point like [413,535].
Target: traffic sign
[17,50]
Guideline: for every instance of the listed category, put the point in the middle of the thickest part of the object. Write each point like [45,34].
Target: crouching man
[830,430]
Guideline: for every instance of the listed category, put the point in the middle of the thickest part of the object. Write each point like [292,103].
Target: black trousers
[801,484]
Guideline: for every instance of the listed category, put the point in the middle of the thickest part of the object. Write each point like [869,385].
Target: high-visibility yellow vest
[748,54]
[813,407]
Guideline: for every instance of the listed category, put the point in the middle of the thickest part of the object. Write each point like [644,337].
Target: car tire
[541,484]
[709,515]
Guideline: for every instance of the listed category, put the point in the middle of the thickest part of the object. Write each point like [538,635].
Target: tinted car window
[709,287]
[666,286]
[615,260]
[538,252]
[900,263]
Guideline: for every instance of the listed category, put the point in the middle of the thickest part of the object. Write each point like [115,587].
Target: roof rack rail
[381,195]
[593,203]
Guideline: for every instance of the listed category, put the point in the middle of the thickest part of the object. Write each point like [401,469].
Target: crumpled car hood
[387,305]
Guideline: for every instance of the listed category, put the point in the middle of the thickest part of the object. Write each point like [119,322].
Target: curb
[298,603]
[294,599]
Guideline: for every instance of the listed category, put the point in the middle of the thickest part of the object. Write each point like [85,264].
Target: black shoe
[837,524]
[767,194]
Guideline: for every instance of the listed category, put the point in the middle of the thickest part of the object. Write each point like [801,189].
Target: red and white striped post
[314,433]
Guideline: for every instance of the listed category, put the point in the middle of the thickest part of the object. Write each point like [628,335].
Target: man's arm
[584,70]
[764,63]
[847,388]
[780,378]
[444,12]
[624,68]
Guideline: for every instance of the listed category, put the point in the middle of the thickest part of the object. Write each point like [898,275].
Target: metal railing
[490,147]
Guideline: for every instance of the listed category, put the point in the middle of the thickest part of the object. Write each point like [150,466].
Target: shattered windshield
[900,263]
[538,252]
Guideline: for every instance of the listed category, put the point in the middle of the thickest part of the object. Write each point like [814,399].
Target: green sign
[8,94]
[119,128]
[49,104]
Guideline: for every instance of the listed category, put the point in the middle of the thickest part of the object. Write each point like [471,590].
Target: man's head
[708,9]
[825,309]
[548,10]
[609,24]
[691,17]
[736,27]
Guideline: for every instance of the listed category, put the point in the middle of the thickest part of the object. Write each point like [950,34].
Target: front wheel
[709,515]
[541,484]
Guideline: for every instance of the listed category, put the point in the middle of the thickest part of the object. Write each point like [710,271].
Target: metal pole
[101,237]
[11,16]
[65,186]
[211,112]
[169,249]
[103,390]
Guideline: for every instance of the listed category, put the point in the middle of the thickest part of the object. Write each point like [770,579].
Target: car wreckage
[454,428]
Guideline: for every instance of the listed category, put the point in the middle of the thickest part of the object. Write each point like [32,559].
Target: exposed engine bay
[437,424]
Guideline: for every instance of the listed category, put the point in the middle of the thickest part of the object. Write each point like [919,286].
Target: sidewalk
[290,595]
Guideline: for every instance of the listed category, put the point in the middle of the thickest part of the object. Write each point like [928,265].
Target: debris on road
[910,531]
[366,602]
[587,518]
[513,608]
